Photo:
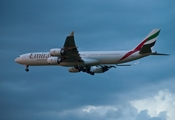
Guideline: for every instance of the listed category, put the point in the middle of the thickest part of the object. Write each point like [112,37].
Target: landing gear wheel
[91,73]
[27,68]
[86,69]
[76,67]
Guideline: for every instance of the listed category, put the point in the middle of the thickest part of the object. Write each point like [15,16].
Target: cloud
[95,112]
[162,102]
[157,107]
[145,116]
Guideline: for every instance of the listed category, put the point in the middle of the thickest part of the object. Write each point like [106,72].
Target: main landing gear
[86,69]
[27,68]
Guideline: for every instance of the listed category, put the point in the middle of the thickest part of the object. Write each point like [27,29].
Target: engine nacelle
[57,52]
[99,69]
[73,70]
[53,60]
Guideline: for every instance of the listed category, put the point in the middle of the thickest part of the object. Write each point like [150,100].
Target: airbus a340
[90,62]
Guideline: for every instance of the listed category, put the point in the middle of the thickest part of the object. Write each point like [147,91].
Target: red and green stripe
[141,45]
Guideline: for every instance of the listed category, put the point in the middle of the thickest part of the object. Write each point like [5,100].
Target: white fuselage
[90,57]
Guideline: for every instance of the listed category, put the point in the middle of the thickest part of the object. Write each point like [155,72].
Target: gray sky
[142,92]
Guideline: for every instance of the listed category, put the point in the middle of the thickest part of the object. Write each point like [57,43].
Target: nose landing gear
[27,68]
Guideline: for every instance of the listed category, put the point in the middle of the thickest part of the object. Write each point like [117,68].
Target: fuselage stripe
[127,54]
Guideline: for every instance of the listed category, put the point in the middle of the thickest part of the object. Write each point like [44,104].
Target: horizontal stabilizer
[160,54]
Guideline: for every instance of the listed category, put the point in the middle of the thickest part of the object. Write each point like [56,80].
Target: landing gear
[91,73]
[86,69]
[27,68]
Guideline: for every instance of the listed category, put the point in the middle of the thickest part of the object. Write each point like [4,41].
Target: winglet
[72,33]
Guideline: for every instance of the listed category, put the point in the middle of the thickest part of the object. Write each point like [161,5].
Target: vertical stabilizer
[148,42]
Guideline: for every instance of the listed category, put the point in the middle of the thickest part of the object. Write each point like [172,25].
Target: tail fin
[148,42]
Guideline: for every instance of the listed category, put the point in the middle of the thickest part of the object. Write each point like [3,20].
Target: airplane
[90,62]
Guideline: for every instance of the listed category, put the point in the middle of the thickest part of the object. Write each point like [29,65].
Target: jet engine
[73,69]
[99,69]
[53,60]
[57,52]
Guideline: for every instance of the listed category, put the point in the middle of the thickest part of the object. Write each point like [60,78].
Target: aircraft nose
[17,60]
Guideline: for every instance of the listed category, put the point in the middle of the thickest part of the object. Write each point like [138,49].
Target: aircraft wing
[71,53]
